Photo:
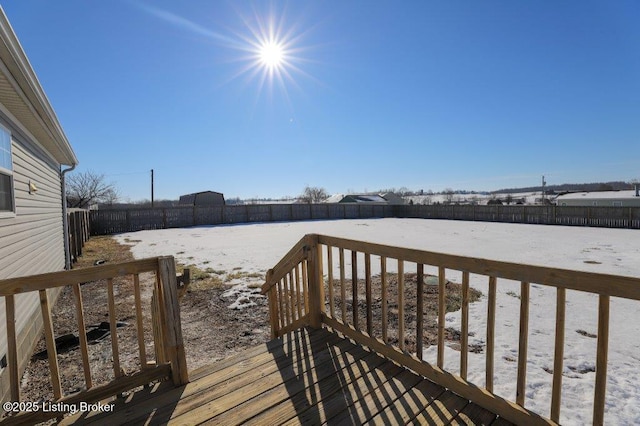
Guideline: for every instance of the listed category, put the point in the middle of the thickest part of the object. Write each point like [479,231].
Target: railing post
[316,284]
[171,326]
[273,306]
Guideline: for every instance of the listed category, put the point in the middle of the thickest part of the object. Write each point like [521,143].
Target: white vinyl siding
[31,242]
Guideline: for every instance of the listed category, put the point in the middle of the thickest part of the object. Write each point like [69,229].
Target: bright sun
[271,54]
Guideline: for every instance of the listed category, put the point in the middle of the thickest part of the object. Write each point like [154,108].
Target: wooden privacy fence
[168,361]
[311,285]
[608,217]
[105,222]
[78,226]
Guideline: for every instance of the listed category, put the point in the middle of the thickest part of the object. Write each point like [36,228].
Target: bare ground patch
[453,302]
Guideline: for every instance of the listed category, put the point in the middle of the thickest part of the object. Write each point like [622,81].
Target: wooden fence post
[79,239]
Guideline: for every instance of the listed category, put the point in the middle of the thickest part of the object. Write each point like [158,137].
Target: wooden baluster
[320,281]
[401,304]
[491,328]
[82,334]
[283,321]
[464,329]
[442,293]
[601,360]
[330,277]
[293,291]
[305,285]
[523,342]
[419,309]
[295,295]
[558,360]
[287,300]
[354,287]
[113,329]
[51,345]
[298,299]
[142,350]
[343,290]
[383,282]
[12,347]
[369,297]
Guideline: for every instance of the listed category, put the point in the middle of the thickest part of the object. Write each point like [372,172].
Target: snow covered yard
[241,254]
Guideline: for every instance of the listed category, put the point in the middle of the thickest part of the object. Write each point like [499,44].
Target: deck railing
[305,290]
[162,307]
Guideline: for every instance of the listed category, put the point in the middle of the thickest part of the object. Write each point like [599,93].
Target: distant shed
[204,198]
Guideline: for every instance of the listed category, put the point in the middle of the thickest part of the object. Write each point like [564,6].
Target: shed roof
[22,97]
[356,198]
[202,192]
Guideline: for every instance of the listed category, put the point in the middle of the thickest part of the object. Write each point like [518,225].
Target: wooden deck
[306,377]
[349,370]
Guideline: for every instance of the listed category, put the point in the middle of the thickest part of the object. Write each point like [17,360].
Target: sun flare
[271,54]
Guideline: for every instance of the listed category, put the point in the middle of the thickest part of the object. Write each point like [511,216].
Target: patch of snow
[244,295]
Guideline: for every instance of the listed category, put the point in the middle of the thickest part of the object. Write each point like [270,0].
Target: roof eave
[40,119]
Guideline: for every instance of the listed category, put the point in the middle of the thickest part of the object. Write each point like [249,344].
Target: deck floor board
[306,377]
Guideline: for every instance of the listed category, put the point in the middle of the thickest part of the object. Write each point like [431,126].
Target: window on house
[6,172]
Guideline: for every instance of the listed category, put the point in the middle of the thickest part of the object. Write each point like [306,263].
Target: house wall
[31,242]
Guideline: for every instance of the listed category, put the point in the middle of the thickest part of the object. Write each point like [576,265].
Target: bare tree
[86,188]
[448,193]
[313,194]
[509,199]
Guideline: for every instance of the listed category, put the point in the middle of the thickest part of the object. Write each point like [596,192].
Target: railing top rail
[288,261]
[62,278]
[592,282]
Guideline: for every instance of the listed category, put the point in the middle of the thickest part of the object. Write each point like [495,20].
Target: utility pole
[151,188]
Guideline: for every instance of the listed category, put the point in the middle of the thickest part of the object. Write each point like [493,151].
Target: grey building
[203,199]
[33,151]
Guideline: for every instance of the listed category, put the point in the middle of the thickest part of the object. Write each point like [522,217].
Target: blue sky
[372,94]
